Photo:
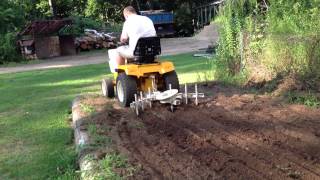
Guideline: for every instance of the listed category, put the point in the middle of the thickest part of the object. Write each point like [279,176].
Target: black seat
[147,49]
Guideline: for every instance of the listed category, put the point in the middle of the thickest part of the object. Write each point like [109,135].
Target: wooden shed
[41,39]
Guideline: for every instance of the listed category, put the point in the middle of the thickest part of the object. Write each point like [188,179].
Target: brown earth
[231,135]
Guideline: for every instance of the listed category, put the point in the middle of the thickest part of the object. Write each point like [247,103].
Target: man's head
[129,10]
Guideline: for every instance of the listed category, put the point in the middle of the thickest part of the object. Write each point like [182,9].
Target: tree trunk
[53,9]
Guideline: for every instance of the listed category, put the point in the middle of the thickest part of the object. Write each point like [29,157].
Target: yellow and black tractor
[142,74]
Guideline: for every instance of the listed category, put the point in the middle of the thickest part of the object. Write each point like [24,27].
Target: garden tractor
[144,79]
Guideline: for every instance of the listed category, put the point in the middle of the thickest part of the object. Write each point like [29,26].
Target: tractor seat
[146,50]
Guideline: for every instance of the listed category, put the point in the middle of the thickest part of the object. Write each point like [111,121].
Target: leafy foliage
[183,20]
[63,7]
[106,10]
[281,36]
[11,18]
[294,27]
[79,24]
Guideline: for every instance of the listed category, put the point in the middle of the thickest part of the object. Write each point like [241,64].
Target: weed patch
[308,99]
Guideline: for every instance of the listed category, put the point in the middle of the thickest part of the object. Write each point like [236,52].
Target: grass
[113,166]
[93,52]
[114,161]
[192,69]
[36,139]
[87,108]
[98,140]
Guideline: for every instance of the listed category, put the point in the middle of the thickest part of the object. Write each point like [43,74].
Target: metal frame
[144,100]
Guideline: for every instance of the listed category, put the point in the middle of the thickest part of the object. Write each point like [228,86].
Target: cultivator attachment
[171,97]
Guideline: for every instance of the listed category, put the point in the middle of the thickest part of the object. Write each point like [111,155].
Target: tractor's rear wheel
[171,78]
[107,88]
[126,89]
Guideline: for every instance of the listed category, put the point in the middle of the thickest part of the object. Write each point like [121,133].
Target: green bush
[8,49]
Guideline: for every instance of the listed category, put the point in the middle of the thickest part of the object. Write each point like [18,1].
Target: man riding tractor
[135,67]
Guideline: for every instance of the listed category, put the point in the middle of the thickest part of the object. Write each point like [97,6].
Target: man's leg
[113,59]
[119,59]
[123,54]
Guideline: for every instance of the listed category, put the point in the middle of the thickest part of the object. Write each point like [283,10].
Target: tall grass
[282,37]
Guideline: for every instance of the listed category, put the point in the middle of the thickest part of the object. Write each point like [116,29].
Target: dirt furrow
[232,155]
[164,156]
[238,137]
[280,136]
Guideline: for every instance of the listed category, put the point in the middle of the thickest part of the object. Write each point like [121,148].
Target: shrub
[8,49]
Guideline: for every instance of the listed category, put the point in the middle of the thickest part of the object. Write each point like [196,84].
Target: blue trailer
[162,20]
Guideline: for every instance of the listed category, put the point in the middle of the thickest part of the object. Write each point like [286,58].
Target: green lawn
[35,135]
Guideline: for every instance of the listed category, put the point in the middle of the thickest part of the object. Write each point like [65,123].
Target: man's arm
[124,35]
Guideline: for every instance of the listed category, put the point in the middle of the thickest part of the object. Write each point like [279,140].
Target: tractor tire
[107,88]
[171,78]
[126,89]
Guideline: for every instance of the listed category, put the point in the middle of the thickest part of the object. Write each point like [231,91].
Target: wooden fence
[205,13]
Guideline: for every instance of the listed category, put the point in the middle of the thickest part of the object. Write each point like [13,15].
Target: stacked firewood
[96,40]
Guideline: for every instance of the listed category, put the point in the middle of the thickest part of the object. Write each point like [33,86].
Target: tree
[79,6]
[106,10]
[11,16]
[62,8]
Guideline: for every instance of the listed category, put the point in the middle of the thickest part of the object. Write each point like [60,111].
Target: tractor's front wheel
[126,89]
[107,88]
[171,78]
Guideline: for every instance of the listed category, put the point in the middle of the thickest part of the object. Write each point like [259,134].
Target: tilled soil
[231,135]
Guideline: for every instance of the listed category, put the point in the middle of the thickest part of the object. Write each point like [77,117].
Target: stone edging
[86,159]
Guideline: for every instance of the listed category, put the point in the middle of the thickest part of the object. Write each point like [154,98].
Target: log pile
[96,40]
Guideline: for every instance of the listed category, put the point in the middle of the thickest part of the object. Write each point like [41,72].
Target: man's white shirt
[135,27]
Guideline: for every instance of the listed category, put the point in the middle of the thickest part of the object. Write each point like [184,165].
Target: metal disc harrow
[171,97]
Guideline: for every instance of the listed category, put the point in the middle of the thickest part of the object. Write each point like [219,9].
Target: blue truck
[162,20]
